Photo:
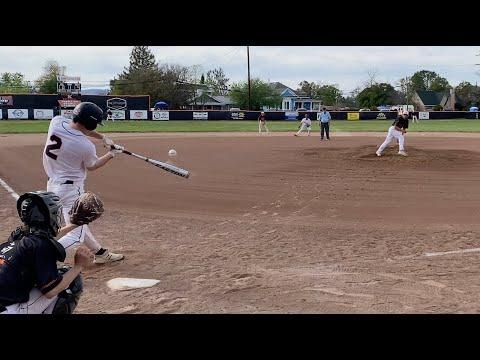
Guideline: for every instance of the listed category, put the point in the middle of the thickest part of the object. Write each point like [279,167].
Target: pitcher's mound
[130,283]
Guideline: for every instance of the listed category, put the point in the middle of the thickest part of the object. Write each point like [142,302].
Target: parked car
[363,110]
[234,109]
[302,109]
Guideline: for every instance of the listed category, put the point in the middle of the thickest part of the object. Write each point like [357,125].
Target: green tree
[329,94]
[47,82]
[13,83]
[217,79]
[261,95]
[308,88]
[469,94]
[141,58]
[376,95]
[202,79]
[428,80]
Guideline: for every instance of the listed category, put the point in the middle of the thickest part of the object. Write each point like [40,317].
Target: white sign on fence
[160,115]
[200,115]
[138,114]
[423,115]
[118,114]
[66,113]
[42,113]
[18,113]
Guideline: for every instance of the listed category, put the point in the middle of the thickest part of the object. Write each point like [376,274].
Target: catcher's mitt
[87,208]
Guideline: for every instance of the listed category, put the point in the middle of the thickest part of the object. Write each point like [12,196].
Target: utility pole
[249,83]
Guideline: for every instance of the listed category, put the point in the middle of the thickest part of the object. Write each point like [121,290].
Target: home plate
[130,283]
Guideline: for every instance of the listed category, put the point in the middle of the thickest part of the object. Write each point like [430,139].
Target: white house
[293,100]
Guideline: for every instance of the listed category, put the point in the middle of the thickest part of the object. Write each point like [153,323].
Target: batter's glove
[87,208]
[116,149]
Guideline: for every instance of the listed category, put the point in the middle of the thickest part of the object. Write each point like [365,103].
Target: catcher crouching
[30,282]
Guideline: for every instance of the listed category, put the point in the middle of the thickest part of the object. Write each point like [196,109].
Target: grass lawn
[41,126]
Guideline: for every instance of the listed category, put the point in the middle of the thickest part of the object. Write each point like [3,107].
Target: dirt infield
[279,224]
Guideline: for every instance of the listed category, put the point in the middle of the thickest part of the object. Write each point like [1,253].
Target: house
[206,101]
[427,100]
[293,100]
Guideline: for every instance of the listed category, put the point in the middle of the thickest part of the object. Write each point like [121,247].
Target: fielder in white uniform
[396,131]
[305,124]
[67,156]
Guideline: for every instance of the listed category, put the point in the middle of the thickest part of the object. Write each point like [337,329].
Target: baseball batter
[396,131]
[305,124]
[67,156]
[262,122]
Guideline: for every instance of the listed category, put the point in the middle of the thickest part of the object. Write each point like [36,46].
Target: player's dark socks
[101,251]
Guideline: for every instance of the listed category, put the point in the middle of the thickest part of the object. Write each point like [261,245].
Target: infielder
[110,115]
[30,282]
[396,131]
[305,124]
[67,155]
[262,122]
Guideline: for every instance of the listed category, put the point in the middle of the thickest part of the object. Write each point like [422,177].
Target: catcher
[30,282]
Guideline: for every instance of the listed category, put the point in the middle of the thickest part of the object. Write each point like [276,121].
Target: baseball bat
[164,166]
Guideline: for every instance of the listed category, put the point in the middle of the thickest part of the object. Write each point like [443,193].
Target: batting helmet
[88,114]
[40,209]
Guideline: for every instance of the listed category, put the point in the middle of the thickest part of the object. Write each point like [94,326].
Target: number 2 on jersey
[57,145]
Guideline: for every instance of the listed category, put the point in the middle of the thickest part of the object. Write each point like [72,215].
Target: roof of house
[210,100]
[430,97]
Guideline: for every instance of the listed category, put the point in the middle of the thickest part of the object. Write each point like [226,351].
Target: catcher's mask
[41,209]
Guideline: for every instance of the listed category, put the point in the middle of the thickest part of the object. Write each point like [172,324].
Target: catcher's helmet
[88,114]
[40,209]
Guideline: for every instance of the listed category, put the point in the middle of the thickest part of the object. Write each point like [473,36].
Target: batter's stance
[67,155]
[396,131]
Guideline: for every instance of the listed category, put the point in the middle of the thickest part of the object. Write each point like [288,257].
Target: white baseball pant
[37,304]
[68,193]
[393,134]
[303,128]
[262,126]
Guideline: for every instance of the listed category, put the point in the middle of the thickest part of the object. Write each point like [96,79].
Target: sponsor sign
[160,115]
[18,113]
[424,115]
[381,116]
[68,103]
[66,113]
[291,115]
[42,113]
[203,115]
[138,114]
[116,104]
[118,115]
[236,115]
[353,116]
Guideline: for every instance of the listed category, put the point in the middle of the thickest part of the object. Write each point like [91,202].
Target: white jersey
[67,152]
[306,122]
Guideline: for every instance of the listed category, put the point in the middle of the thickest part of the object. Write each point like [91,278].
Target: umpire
[325,123]
[30,282]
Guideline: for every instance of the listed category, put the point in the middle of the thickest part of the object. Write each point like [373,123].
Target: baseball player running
[396,131]
[67,156]
[262,122]
[30,282]
[305,124]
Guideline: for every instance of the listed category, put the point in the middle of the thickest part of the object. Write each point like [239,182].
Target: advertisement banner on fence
[381,116]
[66,113]
[18,113]
[423,115]
[237,115]
[43,114]
[291,115]
[160,115]
[138,114]
[200,115]
[6,100]
[118,114]
[353,116]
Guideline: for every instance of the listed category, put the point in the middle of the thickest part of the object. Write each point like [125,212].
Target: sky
[346,66]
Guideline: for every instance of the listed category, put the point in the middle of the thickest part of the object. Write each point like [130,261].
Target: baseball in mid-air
[172,152]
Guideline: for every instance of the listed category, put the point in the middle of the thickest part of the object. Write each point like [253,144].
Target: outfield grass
[41,126]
